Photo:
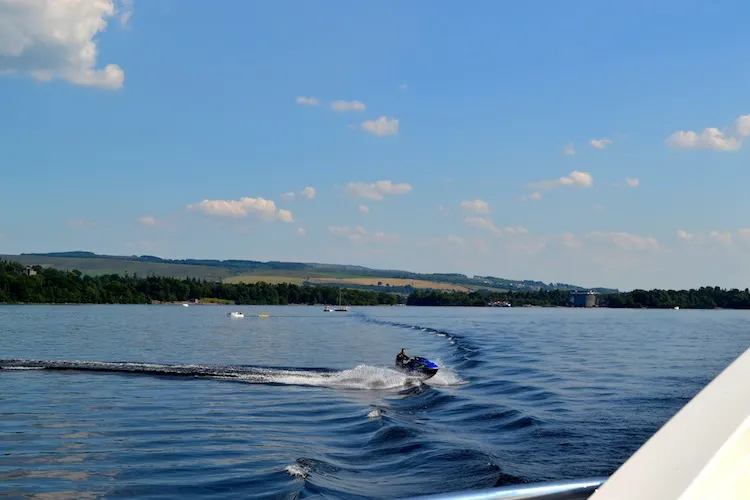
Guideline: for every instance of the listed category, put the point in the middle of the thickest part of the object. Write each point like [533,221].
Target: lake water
[523,394]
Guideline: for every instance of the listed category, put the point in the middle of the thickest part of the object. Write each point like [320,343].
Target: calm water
[524,394]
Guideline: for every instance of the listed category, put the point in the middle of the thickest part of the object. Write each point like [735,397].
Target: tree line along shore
[40,285]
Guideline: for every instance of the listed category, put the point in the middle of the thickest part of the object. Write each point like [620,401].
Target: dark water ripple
[306,405]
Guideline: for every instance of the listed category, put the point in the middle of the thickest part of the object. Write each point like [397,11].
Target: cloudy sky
[595,143]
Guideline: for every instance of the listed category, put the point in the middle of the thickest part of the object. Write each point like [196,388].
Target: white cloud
[82,223]
[572,241]
[307,193]
[364,209]
[723,237]
[376,190]
[126,12]
[482,223]
[533,196]
[265,209]
[600,143]
[381,126]
[308,101]
[742,125]
[55,39]
[569,150]
[632,181]
[147,220]
[627,241]
[729,139]
[361,235]
[301,231]
[710,138]
[684,235]
[487,224]
[343,106]
[338,230]
[515,230]
[477,206]
[576,179]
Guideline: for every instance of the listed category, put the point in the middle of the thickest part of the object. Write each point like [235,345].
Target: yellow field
[253,278]
[391,281]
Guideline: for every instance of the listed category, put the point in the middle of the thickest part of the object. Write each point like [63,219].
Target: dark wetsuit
[401,360]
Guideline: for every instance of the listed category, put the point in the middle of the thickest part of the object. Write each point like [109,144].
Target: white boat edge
[701,453]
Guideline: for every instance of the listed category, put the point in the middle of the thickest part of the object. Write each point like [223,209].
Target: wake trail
[464,347]
[362,377]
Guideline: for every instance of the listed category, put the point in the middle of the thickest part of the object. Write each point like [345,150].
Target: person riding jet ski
[402,360]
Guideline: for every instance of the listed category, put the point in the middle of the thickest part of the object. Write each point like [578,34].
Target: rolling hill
[347,276]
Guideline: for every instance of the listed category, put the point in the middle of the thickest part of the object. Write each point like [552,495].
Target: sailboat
[341,308]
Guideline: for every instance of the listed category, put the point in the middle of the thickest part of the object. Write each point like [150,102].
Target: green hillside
[248,271]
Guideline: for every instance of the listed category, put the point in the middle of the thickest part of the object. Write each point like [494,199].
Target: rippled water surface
[174,402]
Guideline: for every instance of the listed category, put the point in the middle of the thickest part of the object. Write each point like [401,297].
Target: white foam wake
[359,377]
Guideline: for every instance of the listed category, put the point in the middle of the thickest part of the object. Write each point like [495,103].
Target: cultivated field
[95,267]
[370,281]
[257,278]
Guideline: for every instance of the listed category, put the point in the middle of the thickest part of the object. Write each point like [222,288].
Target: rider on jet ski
[402,359]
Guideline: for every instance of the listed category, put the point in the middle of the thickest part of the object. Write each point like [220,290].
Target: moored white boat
[235,314]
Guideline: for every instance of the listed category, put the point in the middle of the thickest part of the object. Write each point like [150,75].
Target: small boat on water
[235,314]
[340,308]
[327,309]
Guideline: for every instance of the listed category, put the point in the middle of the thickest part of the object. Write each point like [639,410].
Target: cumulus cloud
[600,143]
[684,235]
[569,150]
[81,223]
[54,39]
[632,181]
[343,106]
[575,179]
[308,193]
[729,139]
[301,231]
[723,237]
[147,220]
[360,235]
[260,207]
[487,224]
[627,241]
[376,190]
[308,101]
[364,209]
[477,206]
[572,241]
[338,230]
[533,196]
[381,126]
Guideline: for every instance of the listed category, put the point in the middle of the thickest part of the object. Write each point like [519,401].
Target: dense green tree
[19,284]
[49,285]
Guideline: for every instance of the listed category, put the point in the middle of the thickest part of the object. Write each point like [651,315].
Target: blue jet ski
[419,366]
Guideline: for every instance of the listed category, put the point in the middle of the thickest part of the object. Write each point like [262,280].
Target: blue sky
[582,142]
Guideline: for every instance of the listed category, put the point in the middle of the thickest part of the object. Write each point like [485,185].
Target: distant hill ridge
[234,267]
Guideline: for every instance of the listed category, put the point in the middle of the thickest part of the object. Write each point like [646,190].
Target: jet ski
[419,366]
